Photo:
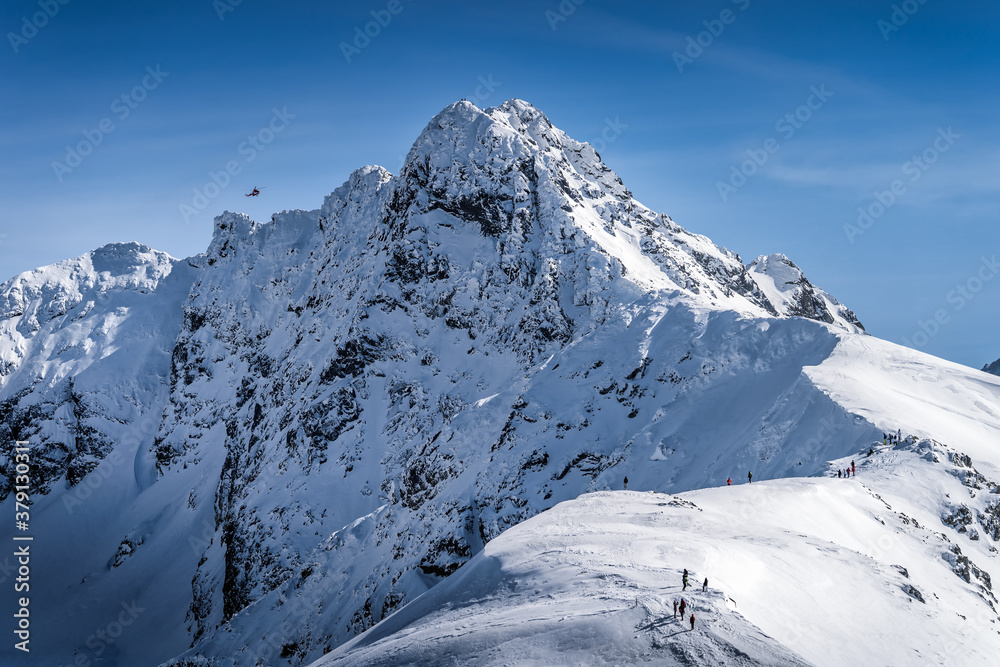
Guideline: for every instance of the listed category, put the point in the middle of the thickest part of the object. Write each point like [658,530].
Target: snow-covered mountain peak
[531,124]
[362,185]
[792,295]
[993,368]
[554,207]
[230,232]
[121,259]
[50,291]
[463,139]
[525,111]
[778,266]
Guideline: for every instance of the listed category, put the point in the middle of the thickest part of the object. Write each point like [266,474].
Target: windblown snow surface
[393,430]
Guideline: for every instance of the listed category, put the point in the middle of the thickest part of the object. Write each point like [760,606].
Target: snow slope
[820,571]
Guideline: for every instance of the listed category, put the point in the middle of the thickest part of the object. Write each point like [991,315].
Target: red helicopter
[254,193]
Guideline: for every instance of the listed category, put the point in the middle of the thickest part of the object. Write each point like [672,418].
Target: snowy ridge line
[880,555]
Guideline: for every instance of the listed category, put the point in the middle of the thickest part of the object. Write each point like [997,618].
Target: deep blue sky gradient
[681,132]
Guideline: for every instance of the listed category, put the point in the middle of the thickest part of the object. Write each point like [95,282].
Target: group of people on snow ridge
[887,439]
[729,481]
[850,471]
[683,604]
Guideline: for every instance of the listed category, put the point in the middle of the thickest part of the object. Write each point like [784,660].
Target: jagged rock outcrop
[792,295]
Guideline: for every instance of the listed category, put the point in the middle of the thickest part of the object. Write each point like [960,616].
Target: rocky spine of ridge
[792,295]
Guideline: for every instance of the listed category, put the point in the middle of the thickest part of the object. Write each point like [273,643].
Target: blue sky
[765,126]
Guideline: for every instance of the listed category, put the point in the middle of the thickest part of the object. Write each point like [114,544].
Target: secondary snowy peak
[50,291]
[993,368]
[84,355]
[590,582]
[46,314]
[792,295]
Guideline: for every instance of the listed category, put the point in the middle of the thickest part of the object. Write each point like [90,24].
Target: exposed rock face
[792,295]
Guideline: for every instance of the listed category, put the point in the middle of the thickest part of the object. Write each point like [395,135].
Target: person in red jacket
[729,482]
[692,621]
